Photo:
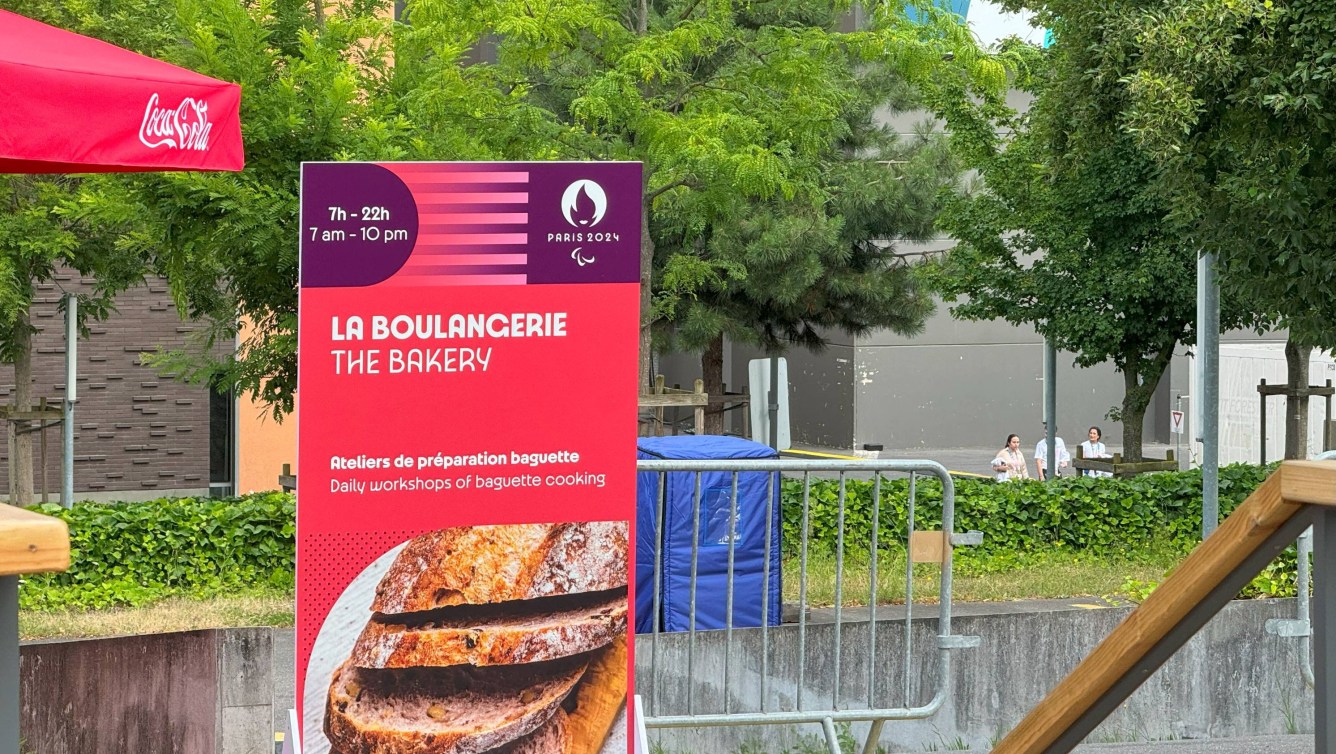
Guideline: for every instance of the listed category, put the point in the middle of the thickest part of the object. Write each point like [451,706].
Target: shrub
[1097,515]
[134,553]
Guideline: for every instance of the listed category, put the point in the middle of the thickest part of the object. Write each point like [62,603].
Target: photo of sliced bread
[457,710]
[494,639]
[506,633]
[487,564]
[553,738]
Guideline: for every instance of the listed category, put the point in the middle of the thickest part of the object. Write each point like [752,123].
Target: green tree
[1070,234]
[726,104]
[1236,103]
[316,86]
[737,111]
[783,273]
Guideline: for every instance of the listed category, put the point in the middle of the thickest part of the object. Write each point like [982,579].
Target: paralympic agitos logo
[185,126]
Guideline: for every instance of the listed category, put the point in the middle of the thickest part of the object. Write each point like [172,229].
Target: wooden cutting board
[599,698]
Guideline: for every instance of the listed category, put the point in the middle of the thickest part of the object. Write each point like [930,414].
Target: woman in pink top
[1010,461]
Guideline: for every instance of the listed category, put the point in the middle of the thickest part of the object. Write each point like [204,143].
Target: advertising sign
[466,455]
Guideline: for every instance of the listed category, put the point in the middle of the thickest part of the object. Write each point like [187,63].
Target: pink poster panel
[466,456]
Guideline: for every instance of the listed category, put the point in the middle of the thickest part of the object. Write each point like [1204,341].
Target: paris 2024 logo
[583,204]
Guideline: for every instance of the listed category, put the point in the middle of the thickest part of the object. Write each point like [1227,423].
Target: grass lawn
[252,608]
[1052,574]
[1048,574]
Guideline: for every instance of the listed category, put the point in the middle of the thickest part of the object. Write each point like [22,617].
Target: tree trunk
[1140,378]
[712,372]
[1296,407]
[1136,396]
[646,297]
[20,486]
[1134,416]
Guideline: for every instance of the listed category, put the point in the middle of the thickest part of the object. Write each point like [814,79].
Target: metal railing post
[9,665]
[1324,624]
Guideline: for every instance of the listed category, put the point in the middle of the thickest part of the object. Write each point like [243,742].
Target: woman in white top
[1093,448]
[1010,461]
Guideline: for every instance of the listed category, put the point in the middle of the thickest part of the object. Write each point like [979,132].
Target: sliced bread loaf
[458,710]
[553,738]
[506,633]
[486,564]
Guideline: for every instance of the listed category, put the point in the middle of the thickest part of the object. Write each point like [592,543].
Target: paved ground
[1299,744]
[968,460]
[958,609]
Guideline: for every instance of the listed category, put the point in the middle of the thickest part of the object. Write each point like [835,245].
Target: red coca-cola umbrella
[71,104]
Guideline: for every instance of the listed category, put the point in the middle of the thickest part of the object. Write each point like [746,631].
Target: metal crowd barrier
[799,672]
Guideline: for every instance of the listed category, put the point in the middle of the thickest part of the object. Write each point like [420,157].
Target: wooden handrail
[1199,587]
[31,542]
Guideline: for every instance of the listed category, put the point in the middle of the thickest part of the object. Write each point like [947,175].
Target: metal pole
[1050,408]
[1262,414]
[9,665]
[1324,623]
[71,380]
[1178,436]
[1208,347]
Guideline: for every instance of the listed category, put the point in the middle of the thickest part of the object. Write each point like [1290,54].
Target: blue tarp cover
[749,550]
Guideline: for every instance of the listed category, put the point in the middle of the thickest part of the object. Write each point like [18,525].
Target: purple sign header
[458,223]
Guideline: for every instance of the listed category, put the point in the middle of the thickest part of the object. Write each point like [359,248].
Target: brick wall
[136,431]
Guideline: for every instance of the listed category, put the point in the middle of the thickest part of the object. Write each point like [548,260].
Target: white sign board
[758,376]
[292,740]
[1176,422]
[641,742]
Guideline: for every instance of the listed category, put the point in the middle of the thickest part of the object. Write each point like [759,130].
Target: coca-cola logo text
[185,126]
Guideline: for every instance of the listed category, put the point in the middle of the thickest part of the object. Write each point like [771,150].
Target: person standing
[1061,455]
[1009,464]
[1094,448]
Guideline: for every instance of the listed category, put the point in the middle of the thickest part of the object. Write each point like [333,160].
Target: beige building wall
[263,444]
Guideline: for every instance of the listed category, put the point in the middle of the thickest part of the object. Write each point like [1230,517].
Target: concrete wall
[966,384]
[822,405]
[193,692]
[956,385]
[227,691]
[1231,680]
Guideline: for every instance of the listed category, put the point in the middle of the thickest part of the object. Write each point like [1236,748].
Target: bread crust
[506,634]
[487,564]
[443,710]
[553,738]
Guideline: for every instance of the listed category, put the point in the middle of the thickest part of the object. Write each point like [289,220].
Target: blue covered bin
[749,550]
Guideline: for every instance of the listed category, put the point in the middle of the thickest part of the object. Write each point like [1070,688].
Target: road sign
[1176,422]
[759,372]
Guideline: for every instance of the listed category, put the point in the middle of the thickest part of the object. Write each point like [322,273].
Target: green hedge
[1096,515]
[133,553]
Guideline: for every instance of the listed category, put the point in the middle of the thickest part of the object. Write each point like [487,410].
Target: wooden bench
[1118,467]
[29,543]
